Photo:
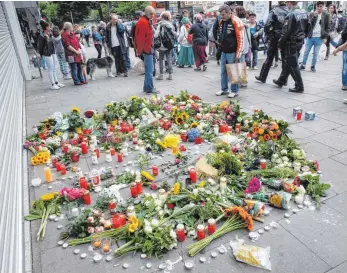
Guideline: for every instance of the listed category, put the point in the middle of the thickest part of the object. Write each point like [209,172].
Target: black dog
[94,63]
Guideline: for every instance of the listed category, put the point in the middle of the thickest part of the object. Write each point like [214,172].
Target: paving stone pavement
[310,241]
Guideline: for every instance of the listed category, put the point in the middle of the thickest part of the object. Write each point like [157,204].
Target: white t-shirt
[317,27]
[114,38]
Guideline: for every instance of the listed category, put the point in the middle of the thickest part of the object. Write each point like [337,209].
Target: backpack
[97,36]
[190,36]
[167,38]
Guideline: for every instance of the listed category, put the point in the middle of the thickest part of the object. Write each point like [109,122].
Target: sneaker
[247,67]
[79,83]
[259,79]
[60,84]
[55,87]
[243,85]
[125,74]
[204,67]
[313,69]
[67,77]
[160,77]
[197,69]
[326,58]
[222,93]
[169,77]
[233,95]
[302,67]
[255,68]
[152,92]
[218,62]
[344,88]
[275,65]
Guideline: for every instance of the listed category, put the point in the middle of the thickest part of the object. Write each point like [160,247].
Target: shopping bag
[237,73]
[139,66]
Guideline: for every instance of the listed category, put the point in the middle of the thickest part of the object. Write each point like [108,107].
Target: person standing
[320,21]
[295,28]
[60,52]
[256,31]
[46,48]
[230,35]
[97,40]
[186,54]
[117,44]
[342,46]
[143,45]
[73,53]
[165,31]
[200,37]
[273,28]
[86,35]
[334,25]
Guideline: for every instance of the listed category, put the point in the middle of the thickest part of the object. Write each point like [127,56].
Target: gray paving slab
[342,268]
[319,125]
[299,132]
[322,106]
[338,203]
[322,231]
[317,151]
[333,138]
[334,173]
[339,117]
[342,158]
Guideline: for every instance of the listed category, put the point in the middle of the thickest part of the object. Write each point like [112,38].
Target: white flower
[278,161]
[172,246]
[173,234]
[275,156]
[283,152]
[155,223]
[147,203]
[158,116]
[157,202]
[154,196]
[192,233]
[195,191]
[171,101]
[146,222]
[155,112]
[158,208]
[148,229]
[281,165]
[161,212]
[285,159]
[186,126]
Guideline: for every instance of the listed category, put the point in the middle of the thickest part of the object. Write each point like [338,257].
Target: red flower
[154,186]
[198,140]
[266,137]
[170,206]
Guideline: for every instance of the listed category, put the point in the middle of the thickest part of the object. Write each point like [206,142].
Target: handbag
[333,34]
[237,73]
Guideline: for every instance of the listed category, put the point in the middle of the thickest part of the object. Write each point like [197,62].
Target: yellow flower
[133,97]
[132,228]
[109,105]
[178,119]
[171,141]
[161,144]
[276,127]
[177,188]
[132,219]
[261,138]
[76,109]
[47,197]
[185,115]
[59,133]
[261,131]
[223,104]
[194,125]
[255,124]
[202,184]
[271,133]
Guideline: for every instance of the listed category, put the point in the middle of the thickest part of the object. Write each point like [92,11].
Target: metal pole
[71,17]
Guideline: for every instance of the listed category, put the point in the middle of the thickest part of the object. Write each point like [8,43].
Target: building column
[17,38]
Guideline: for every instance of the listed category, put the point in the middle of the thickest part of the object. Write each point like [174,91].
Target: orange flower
[243,214]
[266,137]
[256,130]
[271,133]
[274,137]
[264,121]
[261,139]
[254,135]
[278,132]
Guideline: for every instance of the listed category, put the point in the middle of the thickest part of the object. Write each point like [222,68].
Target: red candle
[111,129]
[112,151]
[134,137]
[65,148]
[262,164]
[181,236]
[193,175]
[139,186]
[184,135]
[120,157]
[118,220]
[75,157]
[200,232]
[298,115]
[63,169]
[133,190]
[58,166]
[83,183]
[238,128]
[84,148]
[223,128]
[155,170]
[86,198]
[112,206]
[97,153]
[211,226]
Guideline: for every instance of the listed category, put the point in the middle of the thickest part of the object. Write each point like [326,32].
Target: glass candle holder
[106,245]
[96,241]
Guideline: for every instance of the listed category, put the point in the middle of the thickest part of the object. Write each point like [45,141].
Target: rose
[90,219]
[90,230]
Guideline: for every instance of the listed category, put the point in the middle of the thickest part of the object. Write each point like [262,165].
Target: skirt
[199,55]
[186,56]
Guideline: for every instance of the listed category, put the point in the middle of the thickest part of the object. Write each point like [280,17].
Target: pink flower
[229,117]
[90,230]
[71,193]
[90,219]
[254,185]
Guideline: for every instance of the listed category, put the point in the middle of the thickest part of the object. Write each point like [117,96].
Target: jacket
[255,40]
[274,24]
[71,40]
[200,33]
[143,36]
[324,23]
[58,45]
[296,27]
[229,42]
[182,38]
[165,26]
[247,40]
[45,45]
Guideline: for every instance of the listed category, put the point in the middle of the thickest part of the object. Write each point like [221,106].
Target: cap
[252,14]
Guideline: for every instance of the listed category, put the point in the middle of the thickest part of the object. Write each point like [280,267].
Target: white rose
[161,213]
[155,223]
[275,156]
[157,202]
[192,233]
[148,229]
[283,152]
[285,159]
[281,165]
[278,161]
[154,195]
[147,203]
[171,101]
[172,246]
[158,116]
[195,191]
[173,234]
[186,126]
[158,208]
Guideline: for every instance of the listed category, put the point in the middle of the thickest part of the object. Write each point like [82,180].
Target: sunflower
[132,228]
[185,115]
[177,188]
[178,119]
[47,197]
[261,131]
[194,125]
[76,109]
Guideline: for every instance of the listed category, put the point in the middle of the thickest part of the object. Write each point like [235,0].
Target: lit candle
[200,232]
[139,186]
[84,148]
[193,175]
[112,206]
[238,128]
[48,174]
[97,153]
[211,226]
[262,164]
[155,170]
[112,151]
[65,148]
[86,198]
[133,190]
[120,157]
[75,157]
[118,220]
[63,169]
[180,233]
[58,166]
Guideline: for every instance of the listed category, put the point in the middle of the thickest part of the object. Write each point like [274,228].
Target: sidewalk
[310,241]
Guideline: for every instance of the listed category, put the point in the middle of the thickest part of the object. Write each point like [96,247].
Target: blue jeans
[315,42]
[43,63]
[148,85]
[76,73]
[228,58]
[344,68]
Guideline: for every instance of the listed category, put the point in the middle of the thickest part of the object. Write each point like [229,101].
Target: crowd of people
[177,40]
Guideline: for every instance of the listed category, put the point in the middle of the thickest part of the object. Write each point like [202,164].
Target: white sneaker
[233,95]
[255,68]
[60,85]
[247,67]
[55,87]
[67,77]
[221,93]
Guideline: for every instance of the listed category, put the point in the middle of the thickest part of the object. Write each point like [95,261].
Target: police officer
[295,28]
[273,28]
